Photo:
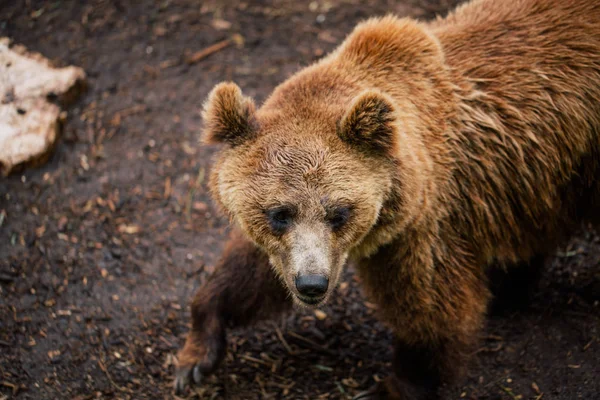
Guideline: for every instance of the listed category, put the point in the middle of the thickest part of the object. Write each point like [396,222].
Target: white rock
[29,123]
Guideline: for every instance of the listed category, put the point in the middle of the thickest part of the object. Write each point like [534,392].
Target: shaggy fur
[465,144]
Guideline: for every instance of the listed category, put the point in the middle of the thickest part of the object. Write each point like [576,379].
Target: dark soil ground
[102,248]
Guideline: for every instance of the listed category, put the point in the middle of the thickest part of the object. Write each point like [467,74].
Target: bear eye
[280,218]
[338,217]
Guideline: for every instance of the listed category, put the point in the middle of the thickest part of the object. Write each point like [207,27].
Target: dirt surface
[101,249]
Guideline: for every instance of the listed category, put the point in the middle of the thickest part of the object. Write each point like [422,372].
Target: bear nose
[312,285]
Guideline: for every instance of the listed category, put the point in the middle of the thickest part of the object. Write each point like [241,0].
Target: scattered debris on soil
[102,248]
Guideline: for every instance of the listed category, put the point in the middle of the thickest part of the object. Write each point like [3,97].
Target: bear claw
[368,395]
[185,377]
[197,375]
[181,382]
[374,393]
[182,378]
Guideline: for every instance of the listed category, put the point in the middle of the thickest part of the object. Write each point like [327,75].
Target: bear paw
[198,358]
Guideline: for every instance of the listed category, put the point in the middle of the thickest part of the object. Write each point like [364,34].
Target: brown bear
[427,154]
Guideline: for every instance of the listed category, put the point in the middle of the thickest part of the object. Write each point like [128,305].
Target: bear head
[311,183]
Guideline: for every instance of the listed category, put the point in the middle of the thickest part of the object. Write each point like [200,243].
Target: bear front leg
[435,303]
[242,290]
[420,369]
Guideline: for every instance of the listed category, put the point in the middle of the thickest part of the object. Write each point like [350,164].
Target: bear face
[285,181]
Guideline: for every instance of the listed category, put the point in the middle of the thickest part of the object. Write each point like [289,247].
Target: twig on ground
[200,55]
[313,345]
[283,341]
[105,370]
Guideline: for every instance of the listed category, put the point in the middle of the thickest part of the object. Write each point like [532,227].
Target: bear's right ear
[370,124]
[229,117]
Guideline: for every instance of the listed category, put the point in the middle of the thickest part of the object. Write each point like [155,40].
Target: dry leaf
[320,315]
[129,229]
[220,24]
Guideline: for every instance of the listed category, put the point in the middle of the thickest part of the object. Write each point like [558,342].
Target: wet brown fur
[478,134]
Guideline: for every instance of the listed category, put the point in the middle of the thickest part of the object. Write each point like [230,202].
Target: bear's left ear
[229,117]
[369,124]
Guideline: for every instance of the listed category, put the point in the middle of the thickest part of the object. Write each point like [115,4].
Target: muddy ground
[101,249]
